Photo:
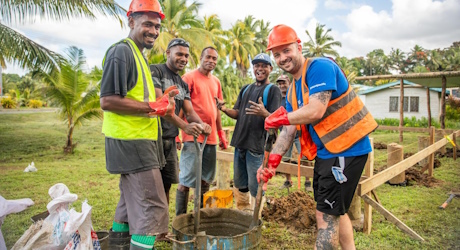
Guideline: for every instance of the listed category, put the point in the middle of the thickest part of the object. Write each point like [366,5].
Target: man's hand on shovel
[267,173]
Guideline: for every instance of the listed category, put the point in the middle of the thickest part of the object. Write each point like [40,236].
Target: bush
[409,122]
[8,103]
[35,104]
[227,121]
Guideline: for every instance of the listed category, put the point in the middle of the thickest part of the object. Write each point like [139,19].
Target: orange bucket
[218,199]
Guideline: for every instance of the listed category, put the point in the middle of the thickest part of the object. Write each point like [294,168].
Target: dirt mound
[415,177]
[296,211]
[449,153]
[379,145]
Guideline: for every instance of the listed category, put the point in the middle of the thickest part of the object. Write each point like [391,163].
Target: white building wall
[378,103]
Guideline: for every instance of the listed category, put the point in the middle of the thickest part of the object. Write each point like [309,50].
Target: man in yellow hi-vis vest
[131,128]
[334,126]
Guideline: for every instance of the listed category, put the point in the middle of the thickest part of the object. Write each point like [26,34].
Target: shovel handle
[444,205]
[271,138]
[198,163]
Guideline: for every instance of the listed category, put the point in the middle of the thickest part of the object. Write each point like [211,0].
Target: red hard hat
[281,35]
[145,6]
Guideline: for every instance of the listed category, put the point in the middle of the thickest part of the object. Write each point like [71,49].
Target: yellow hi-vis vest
[130,127]
[345,122]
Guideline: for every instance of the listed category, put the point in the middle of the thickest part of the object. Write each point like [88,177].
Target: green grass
[40,138]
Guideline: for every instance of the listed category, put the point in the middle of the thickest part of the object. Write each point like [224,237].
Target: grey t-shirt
[118,77]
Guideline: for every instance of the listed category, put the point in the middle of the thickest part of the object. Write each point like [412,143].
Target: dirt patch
[296,211]
[449,153]
[379,145]
[415,177]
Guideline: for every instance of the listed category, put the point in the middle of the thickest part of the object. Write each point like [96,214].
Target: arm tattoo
[323,97]
[328,238]
[284,141]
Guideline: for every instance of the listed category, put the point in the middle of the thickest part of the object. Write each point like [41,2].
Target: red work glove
[166,104]
[267,173]
[277,119]
[223,143]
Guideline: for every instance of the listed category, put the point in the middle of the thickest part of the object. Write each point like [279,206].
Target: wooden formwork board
[378,179]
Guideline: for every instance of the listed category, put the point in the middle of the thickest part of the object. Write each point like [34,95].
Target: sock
[143,241]
[120,227]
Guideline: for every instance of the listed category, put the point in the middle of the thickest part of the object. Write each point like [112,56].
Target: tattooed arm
[285,139]
[313,111]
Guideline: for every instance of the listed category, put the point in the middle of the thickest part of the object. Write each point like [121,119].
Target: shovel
[270,139]
[198,163]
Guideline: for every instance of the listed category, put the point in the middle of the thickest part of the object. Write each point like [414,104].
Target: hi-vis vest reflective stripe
[129,127]
[345,122]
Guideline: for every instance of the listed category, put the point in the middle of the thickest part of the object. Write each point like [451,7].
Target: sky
[361,26]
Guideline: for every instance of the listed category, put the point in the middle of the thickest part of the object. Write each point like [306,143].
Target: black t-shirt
[249,129]
[164,78]
[120,73]
[118,77]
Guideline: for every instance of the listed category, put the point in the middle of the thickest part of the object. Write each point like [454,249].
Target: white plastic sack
[59,212]
[9,207]
[79,227]
[31,168]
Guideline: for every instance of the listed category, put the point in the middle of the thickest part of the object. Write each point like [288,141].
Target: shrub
[35,103]
[8,103]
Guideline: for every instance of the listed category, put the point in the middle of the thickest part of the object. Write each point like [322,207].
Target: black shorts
[332,197]
[170,172]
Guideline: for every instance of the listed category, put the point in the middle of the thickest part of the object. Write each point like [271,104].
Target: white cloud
[430,24]
[335,5]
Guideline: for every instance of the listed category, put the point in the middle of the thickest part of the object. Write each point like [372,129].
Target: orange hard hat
[145,6]
[280,35]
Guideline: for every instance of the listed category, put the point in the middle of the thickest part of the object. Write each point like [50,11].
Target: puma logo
[329,203]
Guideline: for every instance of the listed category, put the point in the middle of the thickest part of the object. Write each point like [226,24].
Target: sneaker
[286,184]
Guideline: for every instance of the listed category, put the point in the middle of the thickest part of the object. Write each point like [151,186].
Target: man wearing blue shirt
[334,126]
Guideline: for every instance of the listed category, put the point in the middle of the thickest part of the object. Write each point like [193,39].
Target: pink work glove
[277,119]
[223,143]
[165,105]
[267,173]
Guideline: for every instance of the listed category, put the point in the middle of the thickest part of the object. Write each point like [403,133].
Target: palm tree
[241,47]
[322,44]
[70,89]
[219,37]
[181,21]
[17,48]
[398,59]
[262,33]
[434,60]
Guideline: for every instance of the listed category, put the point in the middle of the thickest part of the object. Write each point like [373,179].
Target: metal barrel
[223,229]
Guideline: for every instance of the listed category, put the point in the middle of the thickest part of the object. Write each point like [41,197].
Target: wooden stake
[369,172]
[422,144]
[390,217]
[431,158]
[395,155]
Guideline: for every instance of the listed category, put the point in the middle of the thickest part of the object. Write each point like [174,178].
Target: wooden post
[422,144]
[401,110]
[223,169]
[395,155]
[428,105]
[443,103]
[431,157]
[354,212]
[369,172]
[454,148]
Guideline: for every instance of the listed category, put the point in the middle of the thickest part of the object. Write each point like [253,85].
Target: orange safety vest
[345,122]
